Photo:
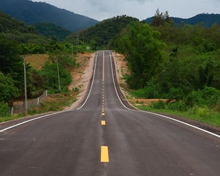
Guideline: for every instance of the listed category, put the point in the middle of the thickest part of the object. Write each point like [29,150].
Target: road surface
[105,138]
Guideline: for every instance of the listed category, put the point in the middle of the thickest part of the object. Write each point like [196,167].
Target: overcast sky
[141,9]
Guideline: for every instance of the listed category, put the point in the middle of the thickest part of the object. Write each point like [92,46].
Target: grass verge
[52,103]
[208,117]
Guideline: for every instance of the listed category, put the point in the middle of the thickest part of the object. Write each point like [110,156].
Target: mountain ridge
[207,19]
[40,12]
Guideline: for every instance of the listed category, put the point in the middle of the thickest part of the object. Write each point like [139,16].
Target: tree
[50,75]
[8,90]
[93,44]
[160,19]
[11,64]
[143,50]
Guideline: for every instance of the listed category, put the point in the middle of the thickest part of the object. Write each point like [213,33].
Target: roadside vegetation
[178,63]
[49,64]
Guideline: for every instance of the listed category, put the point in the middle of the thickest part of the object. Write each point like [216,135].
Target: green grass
[211,118]
[56,102]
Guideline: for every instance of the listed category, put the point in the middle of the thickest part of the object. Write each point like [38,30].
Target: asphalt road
[104,138]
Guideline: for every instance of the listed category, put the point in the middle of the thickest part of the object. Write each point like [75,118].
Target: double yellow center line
[103,68]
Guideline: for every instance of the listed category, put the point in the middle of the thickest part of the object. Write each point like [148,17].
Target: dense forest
[180,63]
[41,12]
[51,30]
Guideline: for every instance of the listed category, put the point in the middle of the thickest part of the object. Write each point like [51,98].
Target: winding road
[104,137]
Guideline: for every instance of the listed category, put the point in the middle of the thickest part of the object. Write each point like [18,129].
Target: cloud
[140,9]
[141,1]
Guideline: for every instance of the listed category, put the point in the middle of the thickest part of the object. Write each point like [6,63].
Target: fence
[30,103]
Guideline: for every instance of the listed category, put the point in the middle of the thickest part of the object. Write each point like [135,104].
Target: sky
[141,9]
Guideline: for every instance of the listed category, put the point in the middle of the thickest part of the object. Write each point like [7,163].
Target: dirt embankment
[81,77]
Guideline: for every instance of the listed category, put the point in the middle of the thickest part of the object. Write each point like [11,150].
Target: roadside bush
[203,112]
[76,89]
[4,110]
[65,91]
[175,94]
[150,91]
[179,106]
[158,105]
[217,107]
[208,96]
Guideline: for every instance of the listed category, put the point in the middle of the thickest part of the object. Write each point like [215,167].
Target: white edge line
[27,121]
[114,83]
[91,84]
[147,112]
[179,121]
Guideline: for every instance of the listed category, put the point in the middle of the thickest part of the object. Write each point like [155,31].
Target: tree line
[173,62]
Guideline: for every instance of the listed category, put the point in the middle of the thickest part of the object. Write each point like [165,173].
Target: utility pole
[72,53]
[58,74]
[25,88]
[77,43]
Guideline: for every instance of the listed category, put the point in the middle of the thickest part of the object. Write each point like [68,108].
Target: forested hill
[103,32]
[207,19]
[40,12]
[17,31]
[52,30]
[13,26]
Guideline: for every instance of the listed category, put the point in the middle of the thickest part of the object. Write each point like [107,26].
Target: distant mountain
[40,12]
[207,19]
[52,30]
[16,30]
[11,25]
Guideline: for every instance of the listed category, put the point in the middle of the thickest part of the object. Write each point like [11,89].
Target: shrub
[4,110]
[158,105]
[65,91]
[203,112]
[175,94]
[150,91]
[76,89]
[179,106]
[208,96]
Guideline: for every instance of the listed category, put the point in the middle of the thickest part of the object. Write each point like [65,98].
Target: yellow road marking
[104,154]
[103,69]
[103,110]
[103,123]
[103,114]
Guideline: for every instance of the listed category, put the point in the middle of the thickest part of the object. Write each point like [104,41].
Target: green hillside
[17,31]
[11,25]
[52,30]
[40,12]
[103,32]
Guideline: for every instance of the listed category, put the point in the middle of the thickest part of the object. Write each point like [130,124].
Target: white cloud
[140,9]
